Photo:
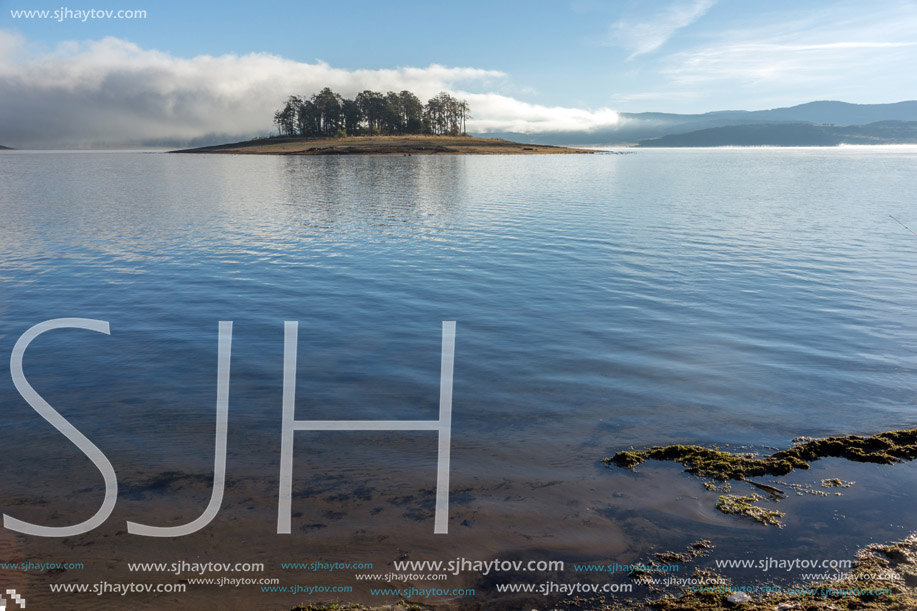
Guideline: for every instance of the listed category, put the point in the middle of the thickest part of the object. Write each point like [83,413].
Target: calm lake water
[731,296]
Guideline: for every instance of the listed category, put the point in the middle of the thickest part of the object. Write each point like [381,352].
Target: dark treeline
[327,114]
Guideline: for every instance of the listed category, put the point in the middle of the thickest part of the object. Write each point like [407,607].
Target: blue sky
[522,62]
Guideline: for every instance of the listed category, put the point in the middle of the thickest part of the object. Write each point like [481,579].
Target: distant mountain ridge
[792,134]
[634,127]
[825,112]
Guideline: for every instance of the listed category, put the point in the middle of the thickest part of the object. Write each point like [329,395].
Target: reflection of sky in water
[740,296]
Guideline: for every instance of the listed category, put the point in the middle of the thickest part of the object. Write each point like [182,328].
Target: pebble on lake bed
[738,598]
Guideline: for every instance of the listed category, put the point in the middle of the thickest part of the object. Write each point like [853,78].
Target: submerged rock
[738,598]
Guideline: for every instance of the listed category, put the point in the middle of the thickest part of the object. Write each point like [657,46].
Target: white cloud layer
[498,113]
[112,92]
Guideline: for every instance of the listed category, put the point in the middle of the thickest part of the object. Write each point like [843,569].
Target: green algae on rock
[882,579]
[697,549]
[883,448]
[734,504]
[835,482]
[331,607]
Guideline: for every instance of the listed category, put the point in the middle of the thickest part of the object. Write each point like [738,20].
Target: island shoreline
[406,145]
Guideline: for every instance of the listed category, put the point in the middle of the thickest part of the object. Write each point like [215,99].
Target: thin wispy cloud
[645,36]
[113,92]
[847,45]
[783,65]
[826,54]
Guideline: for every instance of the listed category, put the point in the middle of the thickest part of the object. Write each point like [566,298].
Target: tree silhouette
[326,114]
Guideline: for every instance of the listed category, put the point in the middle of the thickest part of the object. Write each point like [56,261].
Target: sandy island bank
[386,145]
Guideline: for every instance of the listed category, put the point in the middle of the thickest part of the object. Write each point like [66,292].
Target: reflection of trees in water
[380,195]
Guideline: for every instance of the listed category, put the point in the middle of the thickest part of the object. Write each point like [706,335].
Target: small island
[374,123]
[385,145]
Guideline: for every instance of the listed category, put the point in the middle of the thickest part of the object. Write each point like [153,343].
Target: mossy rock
[884,448]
